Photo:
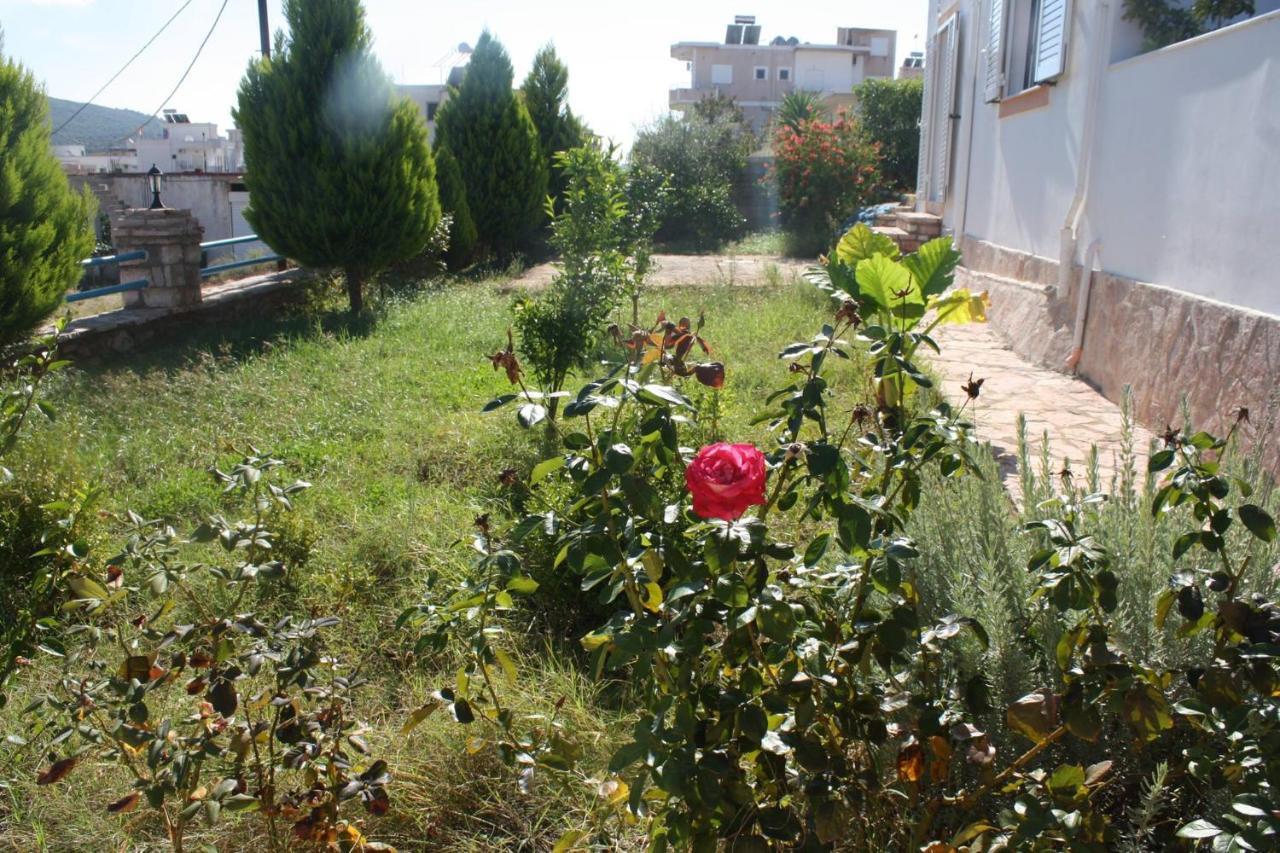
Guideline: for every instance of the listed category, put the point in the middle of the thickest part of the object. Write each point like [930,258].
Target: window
[432,106]
[1026,45]
[784,74]
[721,75]
[762,73]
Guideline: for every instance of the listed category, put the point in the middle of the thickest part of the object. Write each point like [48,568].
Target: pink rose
[724,479]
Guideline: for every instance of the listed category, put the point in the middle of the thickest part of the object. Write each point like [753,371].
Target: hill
[97,127]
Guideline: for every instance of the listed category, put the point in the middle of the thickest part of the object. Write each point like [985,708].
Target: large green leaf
[861,243]
[933,265]
[880,280]
[960,306]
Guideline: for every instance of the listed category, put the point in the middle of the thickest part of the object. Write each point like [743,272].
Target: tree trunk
[355,291]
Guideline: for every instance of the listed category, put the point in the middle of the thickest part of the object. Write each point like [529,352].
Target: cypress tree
[45,228]
[546,94]
[453,201]
[339,170]
[489,131]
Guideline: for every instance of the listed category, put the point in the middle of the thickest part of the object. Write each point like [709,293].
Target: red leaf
[56,771]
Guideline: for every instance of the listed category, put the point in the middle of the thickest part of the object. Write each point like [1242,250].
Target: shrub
[45,228]
[604,256]
[338,167]
[213,711]
[546,94]
[702,158]
[489,131]
[797,108]
[825,172]
[794,688]
[889,117]
[453,201]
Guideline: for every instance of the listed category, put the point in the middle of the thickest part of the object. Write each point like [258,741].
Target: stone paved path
[676,270]
[1074,415]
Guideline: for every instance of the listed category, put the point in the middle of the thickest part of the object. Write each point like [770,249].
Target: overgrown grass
[383,418]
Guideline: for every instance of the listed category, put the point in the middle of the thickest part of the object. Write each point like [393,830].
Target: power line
[141,50]
[190,65]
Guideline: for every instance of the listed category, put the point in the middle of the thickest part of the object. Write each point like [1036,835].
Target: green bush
[45,228]
[546,94]
[604,256]
[338,167]
[489,131]
[453,201]
[702,158]
[889,117]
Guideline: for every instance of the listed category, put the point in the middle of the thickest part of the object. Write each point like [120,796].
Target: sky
[618,55]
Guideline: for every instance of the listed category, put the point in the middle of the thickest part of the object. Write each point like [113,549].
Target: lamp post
[153,177]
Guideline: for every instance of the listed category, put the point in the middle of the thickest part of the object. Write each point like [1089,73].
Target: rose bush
[725,479]
[807,695]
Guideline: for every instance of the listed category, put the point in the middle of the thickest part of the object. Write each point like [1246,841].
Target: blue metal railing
[218,269]
[103,260]
[141,254]
[136,284]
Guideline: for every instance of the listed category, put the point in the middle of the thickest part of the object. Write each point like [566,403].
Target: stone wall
[1166,345]
[102,337]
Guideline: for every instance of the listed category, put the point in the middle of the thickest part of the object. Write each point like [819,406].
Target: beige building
[427,98]
[758,76]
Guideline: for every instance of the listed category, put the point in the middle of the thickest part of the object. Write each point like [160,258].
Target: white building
[428,98]
[758,76]
[1120,205]
[187,146]
[76,161]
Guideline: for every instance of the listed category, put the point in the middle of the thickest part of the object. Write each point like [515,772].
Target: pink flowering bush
[825,171]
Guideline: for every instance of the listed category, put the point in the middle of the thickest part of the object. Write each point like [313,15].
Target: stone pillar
[171,239]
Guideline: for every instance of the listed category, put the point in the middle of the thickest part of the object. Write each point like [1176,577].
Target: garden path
[1069,411]
[682,270]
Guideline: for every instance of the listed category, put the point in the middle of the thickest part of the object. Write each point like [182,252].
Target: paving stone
[1073,414]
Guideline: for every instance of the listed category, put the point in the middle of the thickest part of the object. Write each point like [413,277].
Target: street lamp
[153,177]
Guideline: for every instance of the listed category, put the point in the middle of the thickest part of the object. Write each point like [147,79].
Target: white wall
[1184,188]
[824,70]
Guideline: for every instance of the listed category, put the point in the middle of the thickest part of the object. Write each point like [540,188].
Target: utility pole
[263,30]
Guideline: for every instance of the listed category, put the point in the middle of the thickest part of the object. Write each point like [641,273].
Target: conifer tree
[45,227]
[489,131]
[453,201]
[339,170]
[546,93]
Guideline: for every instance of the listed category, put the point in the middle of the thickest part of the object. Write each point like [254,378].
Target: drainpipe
[962,222]
[1070,234]
[1082,305]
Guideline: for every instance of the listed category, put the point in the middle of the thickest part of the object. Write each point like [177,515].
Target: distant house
[758,76]
[187,146]
[1120,204]
[428,99]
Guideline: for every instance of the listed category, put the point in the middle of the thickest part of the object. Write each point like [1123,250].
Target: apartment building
[429,97]
[187,146]
[758,76]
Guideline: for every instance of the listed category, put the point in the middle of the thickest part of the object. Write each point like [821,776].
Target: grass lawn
[384,420]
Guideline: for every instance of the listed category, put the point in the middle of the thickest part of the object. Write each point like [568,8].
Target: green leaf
[960,306]
[544,469]
[417,717]
[860,243]
[498,402]
[1160,460]
[881,279]
[569,840]
[933,265]
[1199,829]
[817,548]
[522,585]
[530,414]
[1258,521]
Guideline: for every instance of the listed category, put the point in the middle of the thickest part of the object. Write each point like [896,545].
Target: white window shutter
[1051,41]
[993,53]
[949,51]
